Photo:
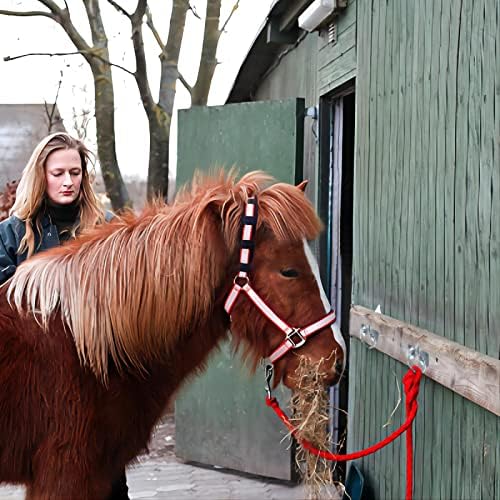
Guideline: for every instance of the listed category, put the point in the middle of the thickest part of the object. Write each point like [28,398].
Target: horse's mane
[129,288]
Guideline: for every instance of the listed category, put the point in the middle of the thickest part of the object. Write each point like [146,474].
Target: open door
[337,115]
[221,417]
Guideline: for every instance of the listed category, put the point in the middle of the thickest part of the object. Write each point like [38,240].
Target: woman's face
[63,173]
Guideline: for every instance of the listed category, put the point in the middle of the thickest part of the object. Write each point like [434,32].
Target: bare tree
[158,112]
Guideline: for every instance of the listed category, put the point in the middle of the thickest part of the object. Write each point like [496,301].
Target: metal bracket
[269,375]
[369,335]
[417,357]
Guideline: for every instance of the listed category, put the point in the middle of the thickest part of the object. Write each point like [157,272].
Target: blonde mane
[130,288]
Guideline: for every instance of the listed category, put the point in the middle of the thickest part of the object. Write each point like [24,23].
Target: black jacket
[12,231]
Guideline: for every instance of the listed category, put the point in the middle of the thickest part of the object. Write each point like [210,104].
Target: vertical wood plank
[492,58]
[389,193]
[391,145]
[407,111]
[449,230]
[427,252]
[417,190]
[372,134]
[363,165]
[380,221]
[379,168]
[460,484]
[478,274]
[435,261]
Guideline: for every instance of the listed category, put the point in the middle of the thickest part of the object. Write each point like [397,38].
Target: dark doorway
[336,179]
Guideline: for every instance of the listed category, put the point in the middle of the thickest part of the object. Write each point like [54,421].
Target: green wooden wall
[295,76]
[337,61]
[426,228]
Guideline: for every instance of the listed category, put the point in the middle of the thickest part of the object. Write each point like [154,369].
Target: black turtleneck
[64,217]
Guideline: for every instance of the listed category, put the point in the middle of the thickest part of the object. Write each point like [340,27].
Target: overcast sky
[35,79]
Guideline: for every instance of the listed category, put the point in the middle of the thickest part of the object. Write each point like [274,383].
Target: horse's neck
[189,355]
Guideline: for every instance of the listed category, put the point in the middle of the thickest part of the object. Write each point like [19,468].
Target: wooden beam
[275,35]
[294,9]
[469,373]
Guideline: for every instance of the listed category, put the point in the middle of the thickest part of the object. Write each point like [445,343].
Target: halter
[294,337]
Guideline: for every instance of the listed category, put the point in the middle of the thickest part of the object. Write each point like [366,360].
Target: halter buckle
[296,333]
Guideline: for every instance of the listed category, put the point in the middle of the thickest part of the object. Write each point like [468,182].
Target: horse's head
[278,308]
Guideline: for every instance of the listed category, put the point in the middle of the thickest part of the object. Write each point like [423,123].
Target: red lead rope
[411,383]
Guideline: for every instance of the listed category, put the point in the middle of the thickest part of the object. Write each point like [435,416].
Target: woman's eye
[289,273]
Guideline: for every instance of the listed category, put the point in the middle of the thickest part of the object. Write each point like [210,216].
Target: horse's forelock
[288,214]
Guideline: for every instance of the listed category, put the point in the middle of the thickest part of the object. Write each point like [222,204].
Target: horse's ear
[302,185]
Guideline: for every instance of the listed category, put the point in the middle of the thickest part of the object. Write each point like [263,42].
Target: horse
[97,335]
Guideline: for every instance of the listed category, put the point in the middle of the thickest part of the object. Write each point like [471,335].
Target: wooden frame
[473,375]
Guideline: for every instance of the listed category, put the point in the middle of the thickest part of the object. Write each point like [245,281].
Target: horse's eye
[289,273]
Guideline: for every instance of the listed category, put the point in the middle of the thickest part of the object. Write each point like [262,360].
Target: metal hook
[417,357]
[423,361]
[269,375]
[363,332]
[369,335]
[373,338]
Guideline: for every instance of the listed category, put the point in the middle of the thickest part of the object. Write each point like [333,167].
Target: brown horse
[97,335]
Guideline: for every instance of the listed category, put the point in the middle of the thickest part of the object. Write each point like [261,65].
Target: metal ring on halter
[241,281]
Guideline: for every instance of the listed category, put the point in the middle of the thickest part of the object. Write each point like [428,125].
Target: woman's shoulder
[12,228]
[12,223]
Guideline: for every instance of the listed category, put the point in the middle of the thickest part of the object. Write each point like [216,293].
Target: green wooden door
[221,417]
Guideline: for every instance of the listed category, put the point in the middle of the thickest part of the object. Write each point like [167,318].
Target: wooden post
[469,373]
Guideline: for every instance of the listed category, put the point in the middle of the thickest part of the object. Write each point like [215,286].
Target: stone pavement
[156,479]
[160,475]
[182,481]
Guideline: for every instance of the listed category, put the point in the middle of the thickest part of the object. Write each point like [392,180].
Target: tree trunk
[105,126]
[159,134]
[208,62]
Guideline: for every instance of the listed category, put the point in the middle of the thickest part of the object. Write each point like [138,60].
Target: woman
[54,202]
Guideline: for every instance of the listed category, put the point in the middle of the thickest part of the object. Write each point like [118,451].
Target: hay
[310,416]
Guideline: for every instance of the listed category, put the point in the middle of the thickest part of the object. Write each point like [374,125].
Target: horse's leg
[65,479]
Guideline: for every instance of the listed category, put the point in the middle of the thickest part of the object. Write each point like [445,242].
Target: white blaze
[313,263]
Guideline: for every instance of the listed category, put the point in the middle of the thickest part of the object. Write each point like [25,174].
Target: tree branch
[50,4]
[62,17]
[192,9]
[151,26]
[141,74]
[50,112]
[233,10]
[184,82]
[120,9]
[89,52]
[28,13]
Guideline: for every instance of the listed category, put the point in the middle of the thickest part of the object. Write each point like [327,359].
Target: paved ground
[160,475]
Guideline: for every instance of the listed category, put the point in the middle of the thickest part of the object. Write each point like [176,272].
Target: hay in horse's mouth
[310,416]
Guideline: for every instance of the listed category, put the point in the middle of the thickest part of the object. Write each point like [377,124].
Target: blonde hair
[30,194]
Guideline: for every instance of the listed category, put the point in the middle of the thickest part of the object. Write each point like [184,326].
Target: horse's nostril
[339,366]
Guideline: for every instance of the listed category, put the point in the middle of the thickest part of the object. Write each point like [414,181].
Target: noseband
[294,337]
